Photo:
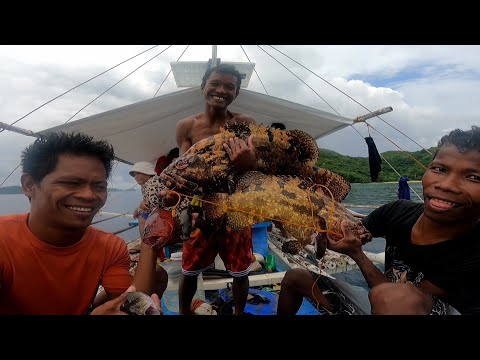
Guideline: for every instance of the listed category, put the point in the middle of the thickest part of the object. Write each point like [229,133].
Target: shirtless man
[220,86]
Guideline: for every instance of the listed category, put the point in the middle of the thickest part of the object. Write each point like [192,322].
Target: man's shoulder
[13,219]
[402,204]
[244,118]
[189,119]
[394,210]
[105,236]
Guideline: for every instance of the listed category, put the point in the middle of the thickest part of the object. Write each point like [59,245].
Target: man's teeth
[82,209]
[218,98]
[445,202]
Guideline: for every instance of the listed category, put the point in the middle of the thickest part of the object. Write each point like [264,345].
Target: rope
[391,166]
[170,71]
[66,92]
[411,188]
[315,228]
[418,162]
[3,182]
[315,298]
[326,102]
[318,76]
[146,62]
[254,69]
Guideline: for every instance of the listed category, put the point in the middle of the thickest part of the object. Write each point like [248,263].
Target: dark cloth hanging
[374,160]
[403,188]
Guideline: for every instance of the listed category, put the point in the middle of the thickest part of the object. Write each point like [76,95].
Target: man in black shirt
[432,255]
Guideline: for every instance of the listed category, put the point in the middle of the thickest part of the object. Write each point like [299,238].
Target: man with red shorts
[220,86]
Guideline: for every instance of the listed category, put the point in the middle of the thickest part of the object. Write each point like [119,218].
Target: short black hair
[173,153]
[278,125]
[223,69]
[463,140]
[40,158]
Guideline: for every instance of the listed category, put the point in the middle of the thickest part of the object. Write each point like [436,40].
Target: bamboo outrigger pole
[372,114]
[18,130]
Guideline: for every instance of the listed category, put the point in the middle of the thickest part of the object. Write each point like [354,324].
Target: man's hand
[112,307]
[349,244]
[242,154]
[360,231]
[140,209]
[167,199]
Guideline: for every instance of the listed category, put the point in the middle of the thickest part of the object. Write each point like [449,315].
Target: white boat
[145,130]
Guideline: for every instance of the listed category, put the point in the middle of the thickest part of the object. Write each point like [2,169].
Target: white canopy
[145,130]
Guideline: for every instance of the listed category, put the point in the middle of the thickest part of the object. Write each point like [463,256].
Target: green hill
[356,169]
[11,190]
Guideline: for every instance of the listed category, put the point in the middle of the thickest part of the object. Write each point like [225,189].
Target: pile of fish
[287,188]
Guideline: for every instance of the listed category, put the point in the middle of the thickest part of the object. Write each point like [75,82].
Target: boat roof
[145,130]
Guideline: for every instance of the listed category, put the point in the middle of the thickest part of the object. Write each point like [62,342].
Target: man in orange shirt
[51,260]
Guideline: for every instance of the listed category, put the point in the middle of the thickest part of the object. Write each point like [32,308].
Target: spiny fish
[138,303]
[298,206]
[205,169]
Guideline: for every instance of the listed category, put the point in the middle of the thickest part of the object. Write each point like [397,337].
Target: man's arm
[352,246]
[112,307]
[242,154]
[144,278]
[182,131]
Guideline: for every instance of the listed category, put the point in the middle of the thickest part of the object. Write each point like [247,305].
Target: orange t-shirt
[38,278]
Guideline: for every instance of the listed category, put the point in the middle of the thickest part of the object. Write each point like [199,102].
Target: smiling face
[141,178]
[451,186]
[67,198]
[220,90]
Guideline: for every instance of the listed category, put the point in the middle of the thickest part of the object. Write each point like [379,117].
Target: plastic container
[270,265]
[260,238]
[173,266]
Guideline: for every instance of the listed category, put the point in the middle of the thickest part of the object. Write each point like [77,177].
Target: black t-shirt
[453,265]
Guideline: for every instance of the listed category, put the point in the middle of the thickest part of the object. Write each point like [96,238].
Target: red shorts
[234,248]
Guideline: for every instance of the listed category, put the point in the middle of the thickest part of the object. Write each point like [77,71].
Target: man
[142,172]
[220,86]
[163,161]
[432,252]
[51,260]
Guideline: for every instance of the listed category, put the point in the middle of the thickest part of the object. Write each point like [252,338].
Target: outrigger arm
[372,114]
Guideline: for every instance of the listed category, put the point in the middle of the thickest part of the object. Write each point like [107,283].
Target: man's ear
[28,184]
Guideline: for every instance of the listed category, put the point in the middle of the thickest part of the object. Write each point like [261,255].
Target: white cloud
[432,89]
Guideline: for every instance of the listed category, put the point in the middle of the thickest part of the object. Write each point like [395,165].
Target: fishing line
[56,97]
[234,209]
[413,158]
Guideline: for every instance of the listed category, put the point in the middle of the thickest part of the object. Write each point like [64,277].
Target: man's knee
[294,277]
[399,299]
[379,297]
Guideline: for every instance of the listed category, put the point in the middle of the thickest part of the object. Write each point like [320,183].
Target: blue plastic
[403,188]
[260,238]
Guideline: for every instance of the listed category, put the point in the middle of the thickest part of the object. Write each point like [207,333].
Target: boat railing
[106,216]
[331,263]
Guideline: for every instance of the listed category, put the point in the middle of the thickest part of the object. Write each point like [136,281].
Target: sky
[432,89]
